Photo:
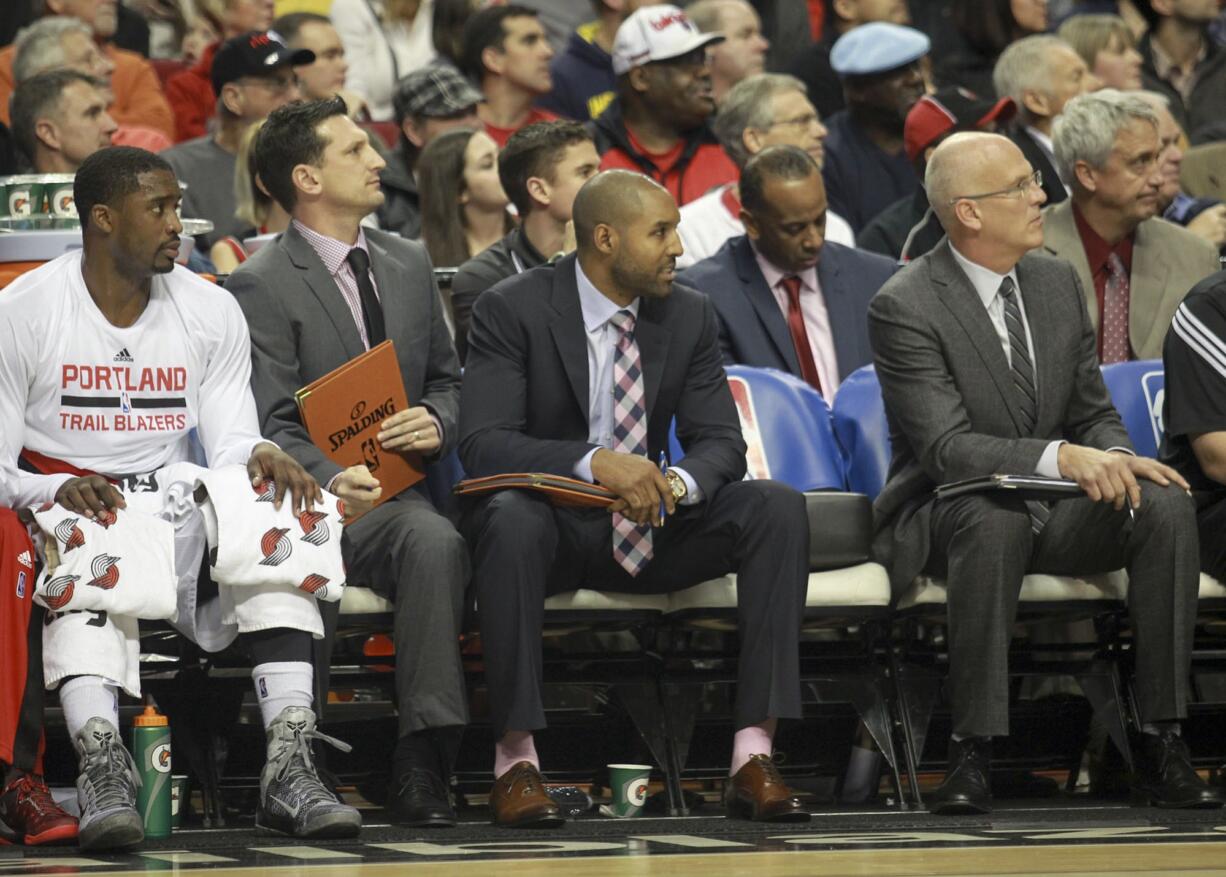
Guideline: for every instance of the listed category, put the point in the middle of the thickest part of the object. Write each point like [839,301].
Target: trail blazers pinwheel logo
[266,492]
[105,518]
[70,534]
[314,526]
[315,584]
[275,547]
[105,569]
[58,591]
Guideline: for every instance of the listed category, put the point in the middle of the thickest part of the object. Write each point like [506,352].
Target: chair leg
[915,698]
[1102,689]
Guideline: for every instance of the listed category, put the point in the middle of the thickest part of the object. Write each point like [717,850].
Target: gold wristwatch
[676,484]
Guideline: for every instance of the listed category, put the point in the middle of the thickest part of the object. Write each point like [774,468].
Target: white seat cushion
[865,584]
[1036,588]
[1211,588]
[364,601]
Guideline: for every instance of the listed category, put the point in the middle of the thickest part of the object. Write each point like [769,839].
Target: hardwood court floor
[1067,837]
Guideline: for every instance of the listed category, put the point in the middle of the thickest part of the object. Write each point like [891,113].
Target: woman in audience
[448,28]
[986,28]
[463,206]
[384,40]
[1107,46]
[255,208]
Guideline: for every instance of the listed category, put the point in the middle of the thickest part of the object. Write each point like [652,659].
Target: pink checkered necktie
[1115,312]
[631,541]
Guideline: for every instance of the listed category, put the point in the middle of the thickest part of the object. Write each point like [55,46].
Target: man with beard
[867,168]
[636,351]
[658,123]
[1134,268]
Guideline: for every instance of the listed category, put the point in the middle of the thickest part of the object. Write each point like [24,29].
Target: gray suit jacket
[301,329]
[1167,261]
[949,392]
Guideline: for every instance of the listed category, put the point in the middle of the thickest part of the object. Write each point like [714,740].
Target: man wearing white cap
[657,125]
[867,168]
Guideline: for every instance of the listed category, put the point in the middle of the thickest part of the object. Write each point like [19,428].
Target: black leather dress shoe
[966,788]
[421,800]
[1164,776]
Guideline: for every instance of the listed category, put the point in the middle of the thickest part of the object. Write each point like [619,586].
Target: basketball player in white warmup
[108,358]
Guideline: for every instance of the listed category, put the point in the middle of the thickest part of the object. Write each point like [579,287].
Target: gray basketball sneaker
[106,789]
[293,800]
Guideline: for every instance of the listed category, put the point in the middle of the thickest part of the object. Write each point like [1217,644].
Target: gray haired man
[1041,73]
[1134,268]
[769,109]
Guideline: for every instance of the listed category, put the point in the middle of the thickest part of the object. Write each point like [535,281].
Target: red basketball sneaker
[29,815]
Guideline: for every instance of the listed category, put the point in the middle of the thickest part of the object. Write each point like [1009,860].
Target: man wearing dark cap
[658,124]
[866,167]
[908,228]
[427,102]
[252,75]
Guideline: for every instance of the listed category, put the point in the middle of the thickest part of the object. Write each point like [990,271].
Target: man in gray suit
[987,364]
[323,293]
[1134,267]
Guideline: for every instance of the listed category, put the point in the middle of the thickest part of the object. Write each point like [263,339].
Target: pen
[663,471]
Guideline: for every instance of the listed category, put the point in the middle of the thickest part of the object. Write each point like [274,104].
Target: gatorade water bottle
[151,749]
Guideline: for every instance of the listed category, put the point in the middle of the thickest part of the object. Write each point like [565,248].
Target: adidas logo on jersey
[123,356]
[25,560]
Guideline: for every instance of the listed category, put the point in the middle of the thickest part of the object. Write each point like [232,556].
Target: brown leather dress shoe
[758,792]
[519,799]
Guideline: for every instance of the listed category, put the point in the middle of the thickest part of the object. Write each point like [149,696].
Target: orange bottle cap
[150,718]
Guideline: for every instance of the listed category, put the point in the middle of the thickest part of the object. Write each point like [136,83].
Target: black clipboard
[1023,486]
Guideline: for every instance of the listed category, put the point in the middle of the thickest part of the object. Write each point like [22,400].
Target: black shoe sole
[958,808]
[538,822]
[737,809]
[427,822]
[325,831]
[1145,799]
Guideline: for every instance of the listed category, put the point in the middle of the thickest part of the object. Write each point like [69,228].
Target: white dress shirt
[987,286]
[602,336]
[816,317]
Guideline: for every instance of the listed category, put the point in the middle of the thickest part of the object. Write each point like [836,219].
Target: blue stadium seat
[1137,389]
[862,432]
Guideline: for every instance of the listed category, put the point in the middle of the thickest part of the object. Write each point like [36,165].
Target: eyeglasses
[800,123]
[1034,181]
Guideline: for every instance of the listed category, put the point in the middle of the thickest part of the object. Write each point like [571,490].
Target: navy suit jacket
[753,329]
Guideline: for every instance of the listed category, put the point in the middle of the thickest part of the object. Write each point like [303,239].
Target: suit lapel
[963,302]
[838,308]
[324,289]
[652,338]
[1060,238]
[568,332]
[764,304]
[1038,315]
[1146,284]
[391,289]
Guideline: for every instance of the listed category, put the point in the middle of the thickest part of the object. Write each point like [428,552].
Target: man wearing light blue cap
[866,166]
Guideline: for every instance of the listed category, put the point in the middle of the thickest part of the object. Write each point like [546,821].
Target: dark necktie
[372,311]
[1023,379]
[800,337]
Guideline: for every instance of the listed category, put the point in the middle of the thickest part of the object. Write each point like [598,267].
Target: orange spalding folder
[343,410]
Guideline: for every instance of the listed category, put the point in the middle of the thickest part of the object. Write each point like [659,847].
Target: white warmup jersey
[119,401]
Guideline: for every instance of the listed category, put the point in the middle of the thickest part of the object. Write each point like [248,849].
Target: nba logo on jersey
[125,404]
[21,586]
[263,688]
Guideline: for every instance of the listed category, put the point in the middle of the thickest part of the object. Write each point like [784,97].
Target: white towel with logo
[120,562]
[253,543]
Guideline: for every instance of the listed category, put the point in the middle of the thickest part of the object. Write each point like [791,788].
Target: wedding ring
[413,436]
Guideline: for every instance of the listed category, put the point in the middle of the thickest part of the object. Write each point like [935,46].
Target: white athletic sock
[84,697]
[279,684]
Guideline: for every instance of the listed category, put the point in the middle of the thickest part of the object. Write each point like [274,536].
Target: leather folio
[557,489]
[1024,486]
[342,412]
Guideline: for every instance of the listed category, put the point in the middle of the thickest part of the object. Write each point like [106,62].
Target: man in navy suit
[786,298]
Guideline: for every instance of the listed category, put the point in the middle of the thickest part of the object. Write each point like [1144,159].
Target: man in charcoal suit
[987,361]
[326,291]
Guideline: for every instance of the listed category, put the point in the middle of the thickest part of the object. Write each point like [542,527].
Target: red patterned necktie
[631,541]
[800,337]
[1115,312]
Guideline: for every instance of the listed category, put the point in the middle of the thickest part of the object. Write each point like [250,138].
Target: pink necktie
[631,541]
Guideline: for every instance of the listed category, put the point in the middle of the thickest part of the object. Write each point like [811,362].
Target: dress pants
[414,556]
[983,544]
[524,549]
